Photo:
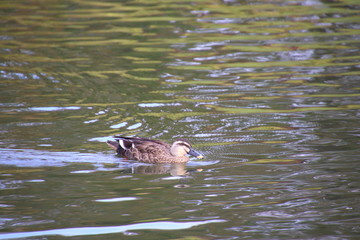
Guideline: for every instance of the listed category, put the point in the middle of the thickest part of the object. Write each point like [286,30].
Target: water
[268,91]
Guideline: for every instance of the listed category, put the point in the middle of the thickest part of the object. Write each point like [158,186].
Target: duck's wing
[143,149]
[137,141]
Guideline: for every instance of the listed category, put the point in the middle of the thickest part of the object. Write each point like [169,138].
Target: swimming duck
[153,151]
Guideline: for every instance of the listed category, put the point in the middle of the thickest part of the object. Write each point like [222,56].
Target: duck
[153,151]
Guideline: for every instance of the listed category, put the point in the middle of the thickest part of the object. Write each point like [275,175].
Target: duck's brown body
[153,151]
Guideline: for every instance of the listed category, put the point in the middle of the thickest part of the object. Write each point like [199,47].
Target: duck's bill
[196,154]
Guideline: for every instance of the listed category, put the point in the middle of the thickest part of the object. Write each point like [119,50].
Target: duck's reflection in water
[174,169]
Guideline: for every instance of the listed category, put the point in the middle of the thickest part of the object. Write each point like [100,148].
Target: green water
[268,91]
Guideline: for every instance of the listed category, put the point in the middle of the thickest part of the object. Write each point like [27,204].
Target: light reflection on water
[85,231]
[268,91]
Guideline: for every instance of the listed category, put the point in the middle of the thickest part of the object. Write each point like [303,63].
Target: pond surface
[268,91]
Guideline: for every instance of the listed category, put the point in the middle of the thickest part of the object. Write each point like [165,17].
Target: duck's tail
[120,145]
[116,146]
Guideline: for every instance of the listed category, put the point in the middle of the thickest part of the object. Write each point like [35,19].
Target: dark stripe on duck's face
[182,143]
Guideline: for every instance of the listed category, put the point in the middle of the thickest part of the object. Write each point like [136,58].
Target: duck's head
[181,148]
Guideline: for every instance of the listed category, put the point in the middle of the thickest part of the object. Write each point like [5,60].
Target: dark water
[268,91]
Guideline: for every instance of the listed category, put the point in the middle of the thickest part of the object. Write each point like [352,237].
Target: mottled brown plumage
[153,151]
